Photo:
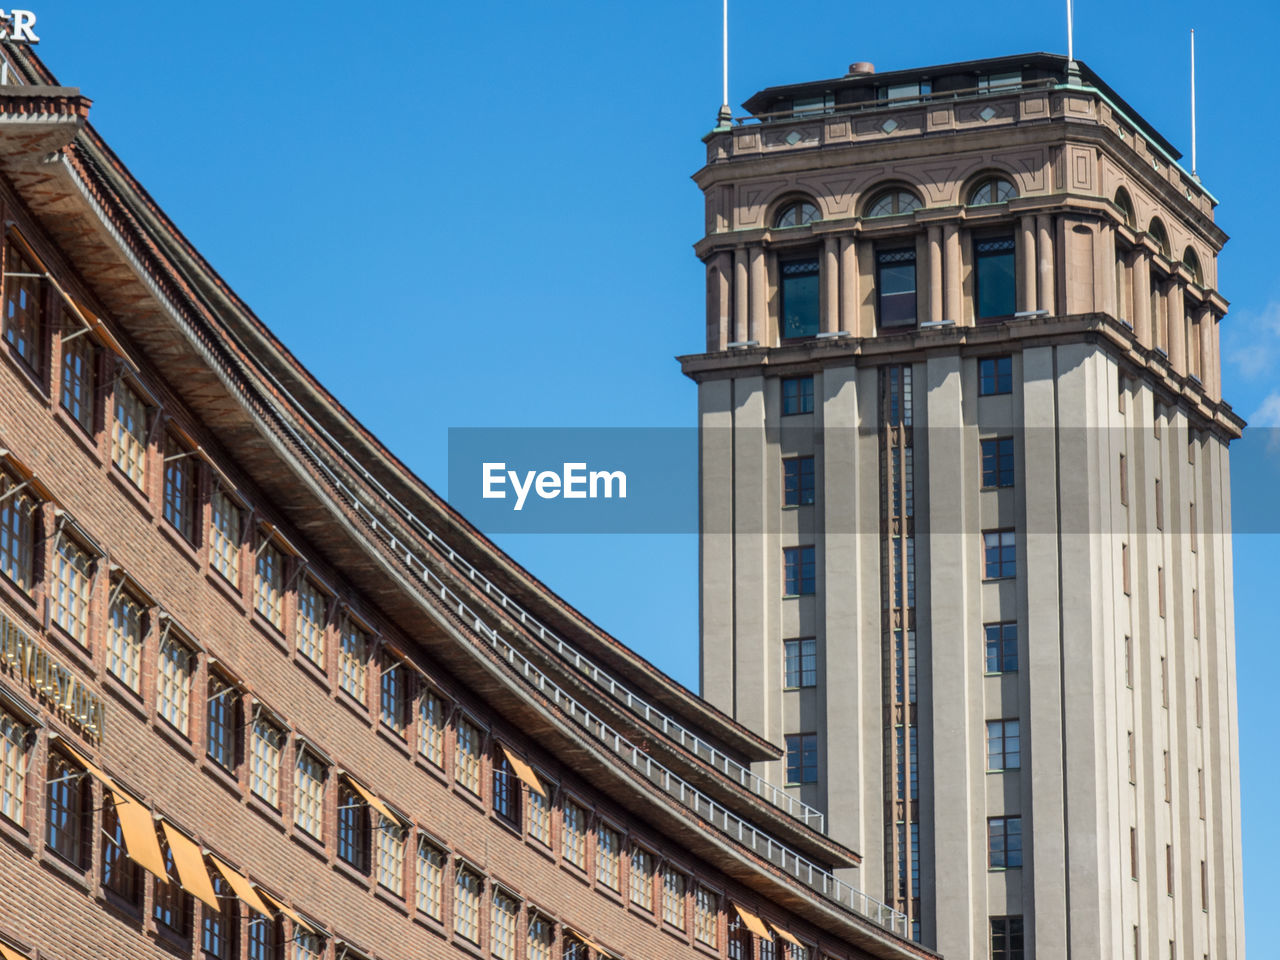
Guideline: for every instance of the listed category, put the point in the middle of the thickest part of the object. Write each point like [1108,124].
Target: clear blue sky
[480,214]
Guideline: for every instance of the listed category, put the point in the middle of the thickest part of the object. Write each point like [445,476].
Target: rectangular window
[179,488]
[1003,747]
[800,662]
[1124,569]
[431,720]
[502,934]
[72,583]
[1195,613]
[466,906]
[267,741]
[1164,682]
[808,106]
[540,817]
[79,380]
[1160,590]
[466,759]
[800,571]
[797,481]
[1168,869]
[1006,938]
[994,278]
[1204,885]
[391,840]
[706,917]
[1200,789]
[1133,853]
[506,790]
[17,531]
[225,537]
[541,937]
[608,857]
[172,907]
[353,828]
[175,664]
[124,639]
[993,82]
[353,661]
[307,946]
[904,93]
[308,794]
[1191,525]
[15,744]
[797,395]
[1000,554]
[67,811]
[641,878]
[263,937]
[1124,481]
[799,297]
[1004,842]
[394,697]
[222,715]
[1133,759]
[1159,507]
[430,889]
[129,434]
[218,928]
[995,376]
[896,288]
[739,938]
[1168,780]
[997,462]
[1002,647]
[1128,661]
[268,583]
[120,874]
[673,884]
[309,625]
[1199,704]
[802,758]
[575,834]
[23,313]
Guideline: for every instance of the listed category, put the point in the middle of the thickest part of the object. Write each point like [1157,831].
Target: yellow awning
[373,801]
[280,907]
[11,954]
[192,872]
[754,923]
[139,831]
[785,936]
[241,885]
[96,771]
[586,941]
[524,771]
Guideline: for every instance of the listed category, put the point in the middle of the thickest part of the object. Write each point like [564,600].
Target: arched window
[797,214]
[1125,203]
[992,190]
[893,202]
[1157,233]
[1192,263]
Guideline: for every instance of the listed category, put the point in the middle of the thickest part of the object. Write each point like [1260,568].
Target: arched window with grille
[797,213]
[1159,234]
[1192,263]
[992,190]
[1125,203]
[893,202]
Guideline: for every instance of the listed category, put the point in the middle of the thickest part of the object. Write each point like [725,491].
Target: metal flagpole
[1193,103]
[725,117]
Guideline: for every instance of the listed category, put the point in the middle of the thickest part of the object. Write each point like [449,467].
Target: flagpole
[1071,44]
[725,118]
[1193,103]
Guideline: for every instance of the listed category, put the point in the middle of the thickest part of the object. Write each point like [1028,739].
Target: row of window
[1000,643]
[995,377]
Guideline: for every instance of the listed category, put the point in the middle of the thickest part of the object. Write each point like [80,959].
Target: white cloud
[1268,413]
[1251,342]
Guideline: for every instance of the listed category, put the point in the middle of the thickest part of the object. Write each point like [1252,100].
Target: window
[1124,481]
[353,661]
[218,934]
[997,462]
[995,280]
[739,938]
[799,571]
[17,531]
[1006,938]
[506,790]
[263,937]
[800,661]
[1160,590]
[574,949]
[224,537]
[1125,206]
[264,768]
[797,481]
[120,874]
[608,857]
[1200,789]
[575,834]
[268,583]
[893,203]
[466,760]
[1004,842]
[430,889]
[995,376]
[797,214]
[174,666]
[1191,525]
[23,293]
[1133,852]
[353,828]
[124,639]
[129,434]
[1158,233]
[1128,661]
[307,945]
[1204,885]
[799,297]
[540,817]
[641,878]
[1133,759]
[1002,647]
[308,794]
[992,190]
[1168,779]
[706,917]
[991,82]
[904,92]
[222,716]
[309,626]
[896,287]
[391,840]
[1124,568]
[502,935]
[807,106]
[172,907]
[1159,507]
[1000,555]
[797,395]
[1199,704]
[541,937]
[1003,751]
[179,488]
[466,906]
[15,741]
[1164,682]
[394,697]
[1168,869]
[79,379]
[431,727]
[673,884]
[72,583]
[802,758]
[68,813]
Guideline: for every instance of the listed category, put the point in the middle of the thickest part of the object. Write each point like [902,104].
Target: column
[1104,277]
[1046,298]
[953,285]
[830,285]
[1142,297]
[1215,359]
[1025,256]
[1208,375]
[1176,307]
[719,275]
[935,274]
[741,297]
[849,287]
[758,319]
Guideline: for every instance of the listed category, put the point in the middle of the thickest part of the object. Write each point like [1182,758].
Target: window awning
[785,936]
[97,772]
[754,923]
[8,953]
[242,886]
[139,831]
[373,801]
[523,771]
[192,873]
[586,941]
[291,914]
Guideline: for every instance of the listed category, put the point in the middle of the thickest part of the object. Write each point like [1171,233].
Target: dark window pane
[797,395]
[896,287]
[800,298]
[995,279]
[995,375]
[798,489]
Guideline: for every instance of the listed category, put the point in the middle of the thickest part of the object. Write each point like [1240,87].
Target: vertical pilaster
[1175,307]
[758,323]
[741,294]
[849,284]
[1025,255]
[1142,318]
[719,305]
[935,273]
[1046,289]
[952,282]
[830,285]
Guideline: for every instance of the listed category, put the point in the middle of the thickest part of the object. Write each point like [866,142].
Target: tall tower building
[965,541]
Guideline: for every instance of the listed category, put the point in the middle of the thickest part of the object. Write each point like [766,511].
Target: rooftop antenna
[1194,173]
[725,117]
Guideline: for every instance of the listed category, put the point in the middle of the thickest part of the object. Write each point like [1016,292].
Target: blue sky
[480,214]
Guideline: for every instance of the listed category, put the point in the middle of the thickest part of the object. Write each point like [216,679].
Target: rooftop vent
[862,67]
